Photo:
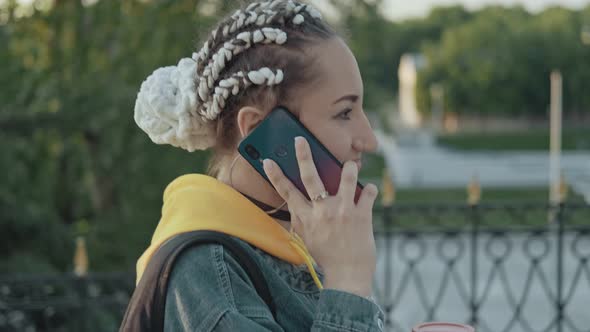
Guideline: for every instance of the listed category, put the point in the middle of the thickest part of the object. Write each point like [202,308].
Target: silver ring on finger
[321,196]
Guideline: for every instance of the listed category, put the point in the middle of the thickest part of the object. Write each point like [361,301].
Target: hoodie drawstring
[297,243]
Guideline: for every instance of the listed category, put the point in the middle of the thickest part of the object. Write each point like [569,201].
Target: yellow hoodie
[199,202]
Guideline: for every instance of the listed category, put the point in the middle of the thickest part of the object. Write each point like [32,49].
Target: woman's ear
[248,118]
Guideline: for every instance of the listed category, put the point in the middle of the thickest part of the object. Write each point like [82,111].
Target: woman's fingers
[283,186]
[309,173]
[368,197]
[348,180]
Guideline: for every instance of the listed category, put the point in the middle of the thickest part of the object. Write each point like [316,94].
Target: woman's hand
[337,232]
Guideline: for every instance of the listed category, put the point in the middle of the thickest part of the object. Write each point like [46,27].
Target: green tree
[73,152]
[499,62]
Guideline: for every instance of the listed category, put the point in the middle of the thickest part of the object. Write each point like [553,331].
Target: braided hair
[255,56]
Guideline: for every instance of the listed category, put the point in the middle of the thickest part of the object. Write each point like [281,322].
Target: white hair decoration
[166,106]
[177,106]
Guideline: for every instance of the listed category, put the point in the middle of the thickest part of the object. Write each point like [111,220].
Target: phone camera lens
[252,152]
[281,151]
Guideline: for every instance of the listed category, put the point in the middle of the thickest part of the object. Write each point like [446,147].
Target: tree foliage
[498,62]
[74,161]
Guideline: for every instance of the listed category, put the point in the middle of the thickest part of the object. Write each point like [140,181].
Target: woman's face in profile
[332,108]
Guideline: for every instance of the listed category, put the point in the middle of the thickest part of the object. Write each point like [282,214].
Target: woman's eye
[345,115]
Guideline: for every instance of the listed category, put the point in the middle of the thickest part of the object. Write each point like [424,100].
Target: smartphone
[274,138]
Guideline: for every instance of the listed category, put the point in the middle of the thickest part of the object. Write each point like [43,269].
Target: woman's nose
[372,141]
[365,144]
[366,140]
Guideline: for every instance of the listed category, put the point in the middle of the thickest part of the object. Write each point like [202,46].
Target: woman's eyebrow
[352,98]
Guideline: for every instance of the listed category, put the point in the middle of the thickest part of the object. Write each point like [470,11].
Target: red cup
[442,327]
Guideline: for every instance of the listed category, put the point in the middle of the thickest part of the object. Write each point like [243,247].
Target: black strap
[280,214]
[146,308]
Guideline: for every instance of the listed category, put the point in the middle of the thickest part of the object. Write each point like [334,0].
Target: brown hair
[290,57]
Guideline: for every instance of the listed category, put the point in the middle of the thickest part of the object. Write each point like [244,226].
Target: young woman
[317,256]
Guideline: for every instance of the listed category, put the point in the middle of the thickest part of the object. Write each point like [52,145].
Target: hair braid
[240,81]
[242,42]
[257,13]
[237,21]
[190,105]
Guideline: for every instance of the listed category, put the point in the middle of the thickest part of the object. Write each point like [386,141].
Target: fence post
[559,219]
[82,289]
[557,208]
[81,273]
[473,199]
[387,200]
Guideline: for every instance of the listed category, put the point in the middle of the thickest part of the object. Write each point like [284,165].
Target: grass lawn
[447,209]
[572,139]
[492,195]
[500,219]
[420,209]
[429,204]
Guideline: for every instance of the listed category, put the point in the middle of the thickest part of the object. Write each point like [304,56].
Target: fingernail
[267,165]
[373,189]
[299,140]
[351,163]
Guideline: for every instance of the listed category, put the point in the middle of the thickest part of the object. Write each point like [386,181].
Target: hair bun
[166,108]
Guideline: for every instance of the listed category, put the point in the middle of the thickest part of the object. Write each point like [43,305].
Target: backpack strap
[147,305]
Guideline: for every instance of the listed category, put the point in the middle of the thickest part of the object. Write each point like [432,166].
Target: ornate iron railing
[497,267]
[509,267]
[64,302]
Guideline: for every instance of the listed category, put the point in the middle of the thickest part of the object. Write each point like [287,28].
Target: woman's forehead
[338,71]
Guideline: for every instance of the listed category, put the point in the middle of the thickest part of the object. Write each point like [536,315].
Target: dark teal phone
[274,138]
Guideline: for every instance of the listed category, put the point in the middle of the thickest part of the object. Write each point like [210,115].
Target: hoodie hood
[198,202]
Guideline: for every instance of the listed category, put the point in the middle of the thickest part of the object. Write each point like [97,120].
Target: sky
[403,9]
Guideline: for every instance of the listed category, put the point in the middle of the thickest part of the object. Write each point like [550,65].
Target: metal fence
[64,302]
[509,267]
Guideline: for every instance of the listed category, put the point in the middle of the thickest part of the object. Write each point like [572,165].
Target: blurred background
[460,95]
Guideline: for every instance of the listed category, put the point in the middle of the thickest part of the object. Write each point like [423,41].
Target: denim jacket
[209,291]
